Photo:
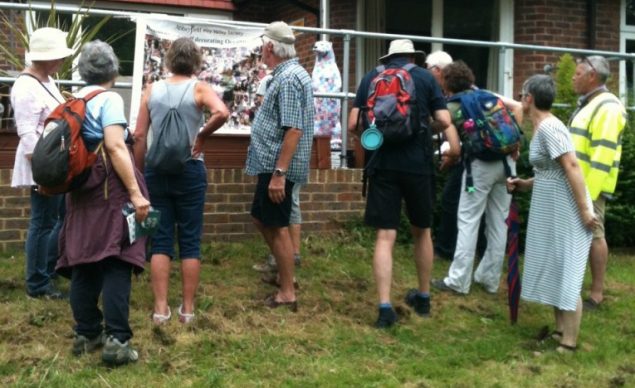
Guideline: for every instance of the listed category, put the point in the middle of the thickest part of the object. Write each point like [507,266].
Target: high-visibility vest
[596,130]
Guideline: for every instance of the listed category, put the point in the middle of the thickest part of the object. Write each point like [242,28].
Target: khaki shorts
[599,207]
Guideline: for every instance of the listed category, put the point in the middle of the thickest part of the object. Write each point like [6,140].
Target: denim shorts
[181,200]
[296,215]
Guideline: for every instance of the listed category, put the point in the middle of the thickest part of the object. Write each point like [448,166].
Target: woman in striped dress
[560,217]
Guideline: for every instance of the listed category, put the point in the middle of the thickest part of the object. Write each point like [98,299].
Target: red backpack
[60,161]
[391,103]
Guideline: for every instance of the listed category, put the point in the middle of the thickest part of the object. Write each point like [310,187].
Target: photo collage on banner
[230,62]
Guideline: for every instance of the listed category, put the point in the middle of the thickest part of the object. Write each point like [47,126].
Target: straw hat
[403,46]
[48,44]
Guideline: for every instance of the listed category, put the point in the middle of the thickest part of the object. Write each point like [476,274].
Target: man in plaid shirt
[279,152]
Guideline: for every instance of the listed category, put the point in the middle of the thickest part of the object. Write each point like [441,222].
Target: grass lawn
[235,341]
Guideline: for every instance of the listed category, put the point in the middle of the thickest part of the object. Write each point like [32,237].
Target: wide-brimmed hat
[403,46]
[280,31]
[47,44]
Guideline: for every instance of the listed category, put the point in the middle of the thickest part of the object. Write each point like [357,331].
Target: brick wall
[560,23]
[330,198]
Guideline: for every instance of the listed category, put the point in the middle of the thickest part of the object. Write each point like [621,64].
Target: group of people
[561,214]
[575,171]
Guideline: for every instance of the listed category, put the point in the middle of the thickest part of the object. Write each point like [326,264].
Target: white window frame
[626,33]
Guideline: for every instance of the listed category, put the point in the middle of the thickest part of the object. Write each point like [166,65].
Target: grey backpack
[171,148]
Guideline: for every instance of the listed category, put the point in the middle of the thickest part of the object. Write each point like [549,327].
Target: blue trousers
[47,216]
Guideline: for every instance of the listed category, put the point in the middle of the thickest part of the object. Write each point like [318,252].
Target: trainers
[83,344]
[387,318]
[268,266]
[420,304]
[441,286]
[116,353]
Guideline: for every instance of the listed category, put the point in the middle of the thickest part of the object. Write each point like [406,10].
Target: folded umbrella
[513,278]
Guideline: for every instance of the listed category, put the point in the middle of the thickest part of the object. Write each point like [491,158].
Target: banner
[230,63]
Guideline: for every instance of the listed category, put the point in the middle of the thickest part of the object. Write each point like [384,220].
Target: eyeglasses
[432,67]
[586,60]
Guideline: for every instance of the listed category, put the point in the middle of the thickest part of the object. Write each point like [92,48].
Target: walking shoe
[50,293]
[268,266]
[387,317]
[83,344]
[420,304]
[441,286]
[116,353]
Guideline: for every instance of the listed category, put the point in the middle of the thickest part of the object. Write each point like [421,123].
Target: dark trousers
[110,277]
[445,238]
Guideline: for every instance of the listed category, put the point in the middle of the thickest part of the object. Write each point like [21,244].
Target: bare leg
[282,249]
[570,321]
[190,271]
[160,276]
[382,262]
[424,256]
[295,231]
[599,257]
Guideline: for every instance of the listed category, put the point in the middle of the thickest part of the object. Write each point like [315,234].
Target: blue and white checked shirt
[288,103]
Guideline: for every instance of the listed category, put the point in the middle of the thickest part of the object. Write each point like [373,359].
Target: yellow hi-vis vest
[596,130]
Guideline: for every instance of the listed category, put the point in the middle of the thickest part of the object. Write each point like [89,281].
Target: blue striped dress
[557,244]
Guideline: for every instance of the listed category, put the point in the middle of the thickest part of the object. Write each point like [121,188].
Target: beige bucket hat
[47,44]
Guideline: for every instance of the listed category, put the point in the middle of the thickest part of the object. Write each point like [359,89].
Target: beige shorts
[599,207]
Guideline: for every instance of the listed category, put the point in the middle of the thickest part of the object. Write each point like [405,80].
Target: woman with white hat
[33,96]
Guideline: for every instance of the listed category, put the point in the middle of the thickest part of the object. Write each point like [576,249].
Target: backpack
[488,130]
[61,162]
[170,149]
[391,103]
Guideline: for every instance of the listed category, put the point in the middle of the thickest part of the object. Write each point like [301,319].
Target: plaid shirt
[288,103]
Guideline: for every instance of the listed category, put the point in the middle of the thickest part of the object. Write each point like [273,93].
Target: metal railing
[346,36]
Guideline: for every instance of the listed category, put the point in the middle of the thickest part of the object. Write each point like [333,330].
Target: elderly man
[404,171]
[596,128]
[279,152]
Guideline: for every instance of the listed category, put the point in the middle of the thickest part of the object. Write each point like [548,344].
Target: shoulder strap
[380,68]
[409,66]
[92,94]
[40,82]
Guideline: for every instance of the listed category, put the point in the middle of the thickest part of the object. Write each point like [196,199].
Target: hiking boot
[420,304]
[83,344]
[116,353]
[268,266]
[50,293]
[387,317]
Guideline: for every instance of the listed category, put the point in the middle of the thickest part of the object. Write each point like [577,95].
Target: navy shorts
[181,200]
[271,214]
[386,189]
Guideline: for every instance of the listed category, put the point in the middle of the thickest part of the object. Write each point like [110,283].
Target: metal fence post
[346,66]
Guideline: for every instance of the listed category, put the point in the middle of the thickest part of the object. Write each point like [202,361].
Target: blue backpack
[487,129]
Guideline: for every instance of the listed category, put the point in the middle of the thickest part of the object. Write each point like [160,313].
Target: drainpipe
[324,17]
[591,11]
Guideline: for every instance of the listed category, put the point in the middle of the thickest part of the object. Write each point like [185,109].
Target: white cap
[438,59]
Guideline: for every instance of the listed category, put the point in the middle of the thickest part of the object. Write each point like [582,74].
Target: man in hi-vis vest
[596,128]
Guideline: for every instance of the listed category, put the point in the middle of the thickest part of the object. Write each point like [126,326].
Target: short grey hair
[98,63]
[281,50]
[542,88]
[598,64]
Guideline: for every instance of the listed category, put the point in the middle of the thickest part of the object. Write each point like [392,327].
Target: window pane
[124,45]
[630,12]
[409,17]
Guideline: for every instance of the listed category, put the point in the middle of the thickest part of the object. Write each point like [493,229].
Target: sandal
[272,279]
[566,349]
[272,303]
[160,319]
[183,317]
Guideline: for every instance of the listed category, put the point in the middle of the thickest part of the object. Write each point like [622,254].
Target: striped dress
[557,245]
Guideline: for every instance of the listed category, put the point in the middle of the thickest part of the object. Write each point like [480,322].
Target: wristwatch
[279,172]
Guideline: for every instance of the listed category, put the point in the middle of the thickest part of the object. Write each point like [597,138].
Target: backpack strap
[40,82]
[408,67]
[92,94]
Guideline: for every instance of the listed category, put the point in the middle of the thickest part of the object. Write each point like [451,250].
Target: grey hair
[542,88]
[281,50]
[98,63]
[600,65]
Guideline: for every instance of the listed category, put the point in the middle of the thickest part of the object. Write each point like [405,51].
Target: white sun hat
[47,44]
